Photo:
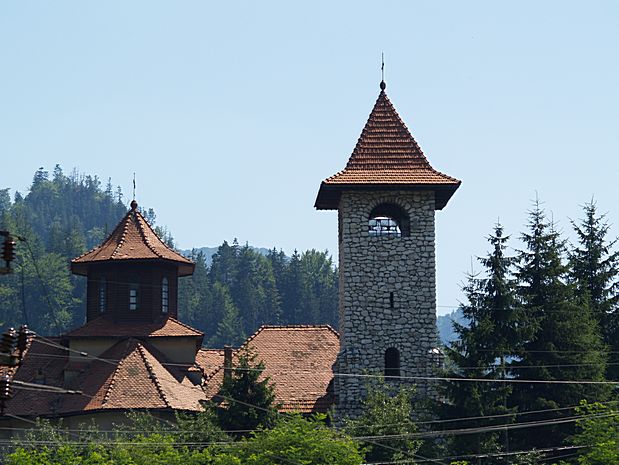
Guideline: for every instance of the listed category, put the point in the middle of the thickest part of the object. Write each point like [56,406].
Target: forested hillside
[231,294]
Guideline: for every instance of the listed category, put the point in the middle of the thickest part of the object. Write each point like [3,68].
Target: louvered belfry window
[134,289]
[165,295]
[102,294]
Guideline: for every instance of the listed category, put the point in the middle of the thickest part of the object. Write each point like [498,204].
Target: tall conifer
[594,268]
[482,350]
[566,344]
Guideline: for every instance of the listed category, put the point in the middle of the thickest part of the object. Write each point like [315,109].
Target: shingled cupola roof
[133,239]
[386,157]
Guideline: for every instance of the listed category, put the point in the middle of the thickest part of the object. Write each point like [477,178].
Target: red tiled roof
[133,239]
[210,360]
[298,360]
[141,380]
[129,375]
[386,156]
[105,327]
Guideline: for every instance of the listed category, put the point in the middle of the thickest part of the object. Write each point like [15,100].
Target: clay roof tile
[386,156]
[298,359]
[105,327]
[132,239]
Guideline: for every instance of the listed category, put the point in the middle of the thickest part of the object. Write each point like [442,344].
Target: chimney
[227,362]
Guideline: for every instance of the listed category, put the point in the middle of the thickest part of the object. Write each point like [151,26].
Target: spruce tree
[566,343]
[229,329]
[247,398]
[482,351]
[594,268]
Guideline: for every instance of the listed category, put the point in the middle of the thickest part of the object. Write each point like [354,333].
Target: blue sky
[231,113]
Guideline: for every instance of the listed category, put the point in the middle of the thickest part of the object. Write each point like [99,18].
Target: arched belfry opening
[389,219]
[392,362]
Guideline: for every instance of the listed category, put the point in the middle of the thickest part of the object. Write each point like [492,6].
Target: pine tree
[248,398]
[387,414]
[292,293]
[254,291]
[320,288]
[225,262]
[230,328]
[594,268]
[566,344]
[493,333]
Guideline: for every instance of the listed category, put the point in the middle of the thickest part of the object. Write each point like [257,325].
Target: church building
[133,352]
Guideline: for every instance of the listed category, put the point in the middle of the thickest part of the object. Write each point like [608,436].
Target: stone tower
[385,198]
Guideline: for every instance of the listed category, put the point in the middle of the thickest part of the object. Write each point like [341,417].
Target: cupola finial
[382,72]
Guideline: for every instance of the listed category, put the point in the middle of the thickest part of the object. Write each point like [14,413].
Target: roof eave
[329,195]
[81,268]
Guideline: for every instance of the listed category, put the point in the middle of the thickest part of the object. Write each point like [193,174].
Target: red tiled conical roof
[131,374]
[106,327]
[133,239]
[386,156]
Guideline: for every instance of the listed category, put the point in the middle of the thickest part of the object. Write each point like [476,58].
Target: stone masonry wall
[371,267]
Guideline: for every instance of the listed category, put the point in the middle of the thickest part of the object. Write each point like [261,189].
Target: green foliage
[494,332]
[244,289]
[594,268]
[230,327]
[59,219]
[291,440]
[199,427]
[598,434]
[566,344]
[63,216]
[248,399]
[386,412]
[296,440]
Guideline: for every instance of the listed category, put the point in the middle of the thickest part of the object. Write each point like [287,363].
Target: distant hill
[444,324]
[210,251]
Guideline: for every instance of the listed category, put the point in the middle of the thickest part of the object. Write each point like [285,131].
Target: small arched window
[165,295]
[389,219]
[134,289]
[102,294]
[392,362]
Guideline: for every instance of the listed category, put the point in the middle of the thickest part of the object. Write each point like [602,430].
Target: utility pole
[8,252]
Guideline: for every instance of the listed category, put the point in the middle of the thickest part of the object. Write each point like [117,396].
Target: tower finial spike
[382,71]
[134,203]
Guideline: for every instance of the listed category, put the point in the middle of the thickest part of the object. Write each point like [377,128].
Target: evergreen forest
[62,216]
[530,375]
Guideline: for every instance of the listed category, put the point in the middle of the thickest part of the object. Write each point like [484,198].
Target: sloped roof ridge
[299,326]
[263,327]
[122,224]
[143,234]
[371,120]
[153,247]
[153,376]
[141,222]
[252,337]
[108,391]
[123,235]
[185,325]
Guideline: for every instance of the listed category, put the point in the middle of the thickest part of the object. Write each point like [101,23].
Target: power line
[484,417]
[366,375]
[42,282]
[487,429]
